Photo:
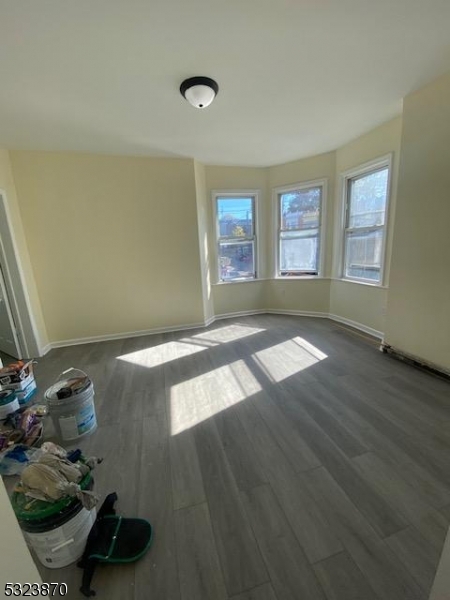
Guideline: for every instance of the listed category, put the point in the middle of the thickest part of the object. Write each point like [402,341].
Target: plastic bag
[14,460]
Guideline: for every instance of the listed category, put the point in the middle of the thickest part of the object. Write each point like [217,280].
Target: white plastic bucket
[64,545]
[74,416]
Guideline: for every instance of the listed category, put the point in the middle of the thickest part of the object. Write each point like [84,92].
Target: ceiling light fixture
[199,91]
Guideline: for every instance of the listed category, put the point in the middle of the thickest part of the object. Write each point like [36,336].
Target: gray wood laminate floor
[276,457]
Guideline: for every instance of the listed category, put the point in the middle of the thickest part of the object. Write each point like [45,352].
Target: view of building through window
[365,224]
[299,232]
[236,237]
[299,223]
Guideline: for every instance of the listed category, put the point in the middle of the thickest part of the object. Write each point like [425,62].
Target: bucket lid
[51,394]
[31,509]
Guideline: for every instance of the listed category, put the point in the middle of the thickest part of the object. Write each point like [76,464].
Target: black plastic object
[113,539]
[74,455]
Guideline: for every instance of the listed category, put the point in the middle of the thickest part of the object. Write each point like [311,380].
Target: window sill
[299,278]
[367,283]
[305,277]
[235,281]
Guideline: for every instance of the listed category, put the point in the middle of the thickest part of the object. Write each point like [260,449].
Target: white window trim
[323,183]
[243,193]
[365,168]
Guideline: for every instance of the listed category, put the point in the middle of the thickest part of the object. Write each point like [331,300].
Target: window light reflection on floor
[230,333]
[313,350]
[287,358]
[202,397]
[189,344]
[158,355]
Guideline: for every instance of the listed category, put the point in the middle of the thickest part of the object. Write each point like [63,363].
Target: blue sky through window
[239,208]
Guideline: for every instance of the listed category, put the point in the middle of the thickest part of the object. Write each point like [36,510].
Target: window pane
[299,255]
[363,254]
[300,209]
[236,260]
[306,233]
[368,199]
[235,216]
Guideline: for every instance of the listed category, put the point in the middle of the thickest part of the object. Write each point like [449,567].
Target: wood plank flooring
[278,458]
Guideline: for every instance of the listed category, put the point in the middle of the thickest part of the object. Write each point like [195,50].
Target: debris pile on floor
[55,505]
[22,427]
[19,433]
[53,474]
[19,378]
[20,424]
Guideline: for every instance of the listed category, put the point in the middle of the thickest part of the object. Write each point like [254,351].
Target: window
[366,200]
[299,220]
[235,215]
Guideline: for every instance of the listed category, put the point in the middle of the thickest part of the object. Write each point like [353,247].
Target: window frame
[239,193]
[346,178]
[276,193]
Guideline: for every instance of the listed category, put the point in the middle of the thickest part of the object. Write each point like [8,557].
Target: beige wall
[203,216]
[8,187]
[237,178]
[364,304]
[113,241]
[230,298]
[304,169]
[310,295]
[419,296]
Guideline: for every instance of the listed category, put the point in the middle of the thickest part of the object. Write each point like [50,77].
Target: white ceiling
[296,77]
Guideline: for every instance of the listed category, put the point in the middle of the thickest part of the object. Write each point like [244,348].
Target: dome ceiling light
[199,91]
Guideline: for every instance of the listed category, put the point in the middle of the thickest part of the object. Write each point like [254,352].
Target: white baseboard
[322,315]
[297,313]
[373,332]
[120,336]
[300,313]
[241,313]
[45,350]
[209,321]
[233,315]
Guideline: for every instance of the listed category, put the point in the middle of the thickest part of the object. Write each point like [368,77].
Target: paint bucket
[8,403]
[63,545]
[56,531]
[71,405]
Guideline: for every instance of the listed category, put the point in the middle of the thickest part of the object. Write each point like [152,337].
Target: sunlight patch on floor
[229,333]
[163,353]
[158,355]
[244,378]
[202,397]
[288,358]
[313,350]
